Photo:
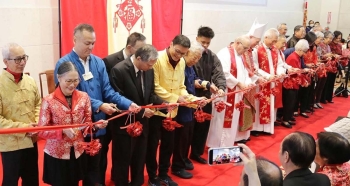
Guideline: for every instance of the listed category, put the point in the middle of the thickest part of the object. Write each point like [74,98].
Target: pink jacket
[56,111]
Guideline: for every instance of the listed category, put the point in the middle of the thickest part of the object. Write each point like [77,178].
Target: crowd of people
[276,81]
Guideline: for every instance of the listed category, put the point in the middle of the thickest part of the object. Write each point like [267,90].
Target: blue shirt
[98,88]
[185,114]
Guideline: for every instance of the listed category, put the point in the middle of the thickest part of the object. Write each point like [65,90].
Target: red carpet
[267,146]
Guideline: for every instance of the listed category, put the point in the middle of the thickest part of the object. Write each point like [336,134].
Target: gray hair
[65,67]
[242,38]
[280,25]
[302,45]
[81,27]
[281,37]
[196,47]
[327,34]
[317,28]
[147,53]
[6,49]
[319,34]
[271,32]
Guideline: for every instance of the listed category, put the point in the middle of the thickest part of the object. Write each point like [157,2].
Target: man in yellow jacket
[19,107]
[169,77]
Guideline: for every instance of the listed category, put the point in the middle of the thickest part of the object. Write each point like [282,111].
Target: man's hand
[70,133]
[107,108]
[182,99]
[134,108]
[148,113]
[220,92]
[250,168]
[241,85]
[196,83]
[213,88]
[103,124]
[261,80]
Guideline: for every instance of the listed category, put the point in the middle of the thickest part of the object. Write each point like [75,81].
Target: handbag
[339,89]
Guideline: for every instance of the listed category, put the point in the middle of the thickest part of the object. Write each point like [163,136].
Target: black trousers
[128,152]
[22,164]
[200,134]
[302,99]
[157,132]
[327,93]
[289,97]
[92,175]
[183,139]
[104,152]
[319,88]
[311,97]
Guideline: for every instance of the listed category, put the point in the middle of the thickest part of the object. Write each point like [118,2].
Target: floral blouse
[338,174]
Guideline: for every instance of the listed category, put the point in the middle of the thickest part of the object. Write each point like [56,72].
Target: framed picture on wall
[232,2]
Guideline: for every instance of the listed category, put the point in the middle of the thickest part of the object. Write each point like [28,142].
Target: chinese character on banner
[129,12]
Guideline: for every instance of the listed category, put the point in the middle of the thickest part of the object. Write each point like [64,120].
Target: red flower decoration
[91,147]
[240,106]
[259,95]
[170,125]
[134,129]
[220,106]
[202,116]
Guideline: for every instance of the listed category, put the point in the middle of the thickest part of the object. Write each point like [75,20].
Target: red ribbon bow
[220,106]
[201,116]
[240,106]
[134,129]
[91,147]
[170,125]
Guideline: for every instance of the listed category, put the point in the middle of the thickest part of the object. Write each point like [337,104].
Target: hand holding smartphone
[224,155]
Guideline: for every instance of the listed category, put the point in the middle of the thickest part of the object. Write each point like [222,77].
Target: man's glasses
[178,52]
[19,60]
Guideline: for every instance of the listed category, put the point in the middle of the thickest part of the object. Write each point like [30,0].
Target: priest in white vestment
[224,126]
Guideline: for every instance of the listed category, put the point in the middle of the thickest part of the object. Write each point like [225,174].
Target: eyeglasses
[179,52]
[245,48]
[19,60]
[70,81]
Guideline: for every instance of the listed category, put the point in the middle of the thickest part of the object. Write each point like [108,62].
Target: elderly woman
[324,52]
[290,85]
[332,155]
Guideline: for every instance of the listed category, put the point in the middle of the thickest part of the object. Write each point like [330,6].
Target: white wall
[229,21]
[34,25]
[344,18]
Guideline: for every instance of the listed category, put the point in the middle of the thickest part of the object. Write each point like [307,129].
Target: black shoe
[182,174]
[286,124]
[319,105]
[167,181]
[304,115]
[188,164]
[295,114]
[241,141]
[292,122]
[254,133]
[198,159]
[324,102]
[292,119]
[277,123]
[154,182]
[331,101]
[307,111]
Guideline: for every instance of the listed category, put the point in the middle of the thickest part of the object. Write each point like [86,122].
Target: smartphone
[224,155]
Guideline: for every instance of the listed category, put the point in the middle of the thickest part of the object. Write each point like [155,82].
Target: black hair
[312,21]
[266,178]
[205,32]
[297,28]
[301,148]
[134,37]
[347,44]
[334,147]
[147,53]
[337,33]
[65,67]
[82,27]
[182,40]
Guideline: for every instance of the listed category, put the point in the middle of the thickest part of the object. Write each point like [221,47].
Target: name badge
[87,76]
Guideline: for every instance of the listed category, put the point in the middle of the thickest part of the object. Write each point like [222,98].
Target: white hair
[6,50]
[242,38]
[271,32]
[280,25]
[319,34]
[302,45]
[196,47]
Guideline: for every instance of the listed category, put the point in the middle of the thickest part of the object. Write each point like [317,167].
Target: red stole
[263,60]
[231,97]
[248,58]
[278,97]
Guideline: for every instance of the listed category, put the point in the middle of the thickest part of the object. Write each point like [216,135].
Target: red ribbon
[134,129]
[240,106]
[170,125]
[91,147]
[220,106]
[201,116]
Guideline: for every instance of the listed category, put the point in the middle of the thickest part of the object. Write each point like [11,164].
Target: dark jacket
[112,60]
[304,177]
[292,42]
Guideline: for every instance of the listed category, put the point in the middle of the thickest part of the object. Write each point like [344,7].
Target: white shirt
[85,63]
[124,54]
[136,70]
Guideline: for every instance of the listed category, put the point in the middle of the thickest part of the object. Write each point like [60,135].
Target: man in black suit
[134,79]
[298,151]
[134,42]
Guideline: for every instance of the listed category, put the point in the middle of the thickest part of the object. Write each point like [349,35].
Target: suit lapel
[131,68]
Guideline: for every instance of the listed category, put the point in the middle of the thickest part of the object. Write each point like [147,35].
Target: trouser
[200,134]
[22,164]
[157,131]
[319,88]
[104,152]
[327,93]
[92,176]
[289,97]
[129,152]
[302,99]
[183,138]
[311,97]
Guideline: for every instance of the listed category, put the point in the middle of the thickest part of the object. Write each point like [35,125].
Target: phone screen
[218,156]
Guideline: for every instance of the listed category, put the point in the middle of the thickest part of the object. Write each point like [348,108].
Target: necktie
[139,83]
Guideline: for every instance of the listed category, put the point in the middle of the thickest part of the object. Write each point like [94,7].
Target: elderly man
[169,80]
[95,82]
[133,42]
[209,70]
[225,125]
[282,28]
[19,107]
[297,152]
[134,73]
[183,135]
[299,33]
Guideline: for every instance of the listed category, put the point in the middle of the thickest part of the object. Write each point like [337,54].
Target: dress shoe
[154,182]
[286,124]
[319,105]
[304,115]
[292,119]
[241,141]
[324,102]
[182,174]
[198,159]
[166,180]
[295,114]
[331,101]
[188,165]
[276,123]
[254,133]
[315,106]
[292,122]
[307,111]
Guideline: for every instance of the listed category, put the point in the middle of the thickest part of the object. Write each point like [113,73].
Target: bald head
[242,44]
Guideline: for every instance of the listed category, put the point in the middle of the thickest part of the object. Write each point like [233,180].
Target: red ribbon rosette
[134,129]
[201,116]
[91,147]
[240,106]
[170,125]
[219,106]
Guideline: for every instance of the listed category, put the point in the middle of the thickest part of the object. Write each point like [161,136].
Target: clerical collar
[270,48]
